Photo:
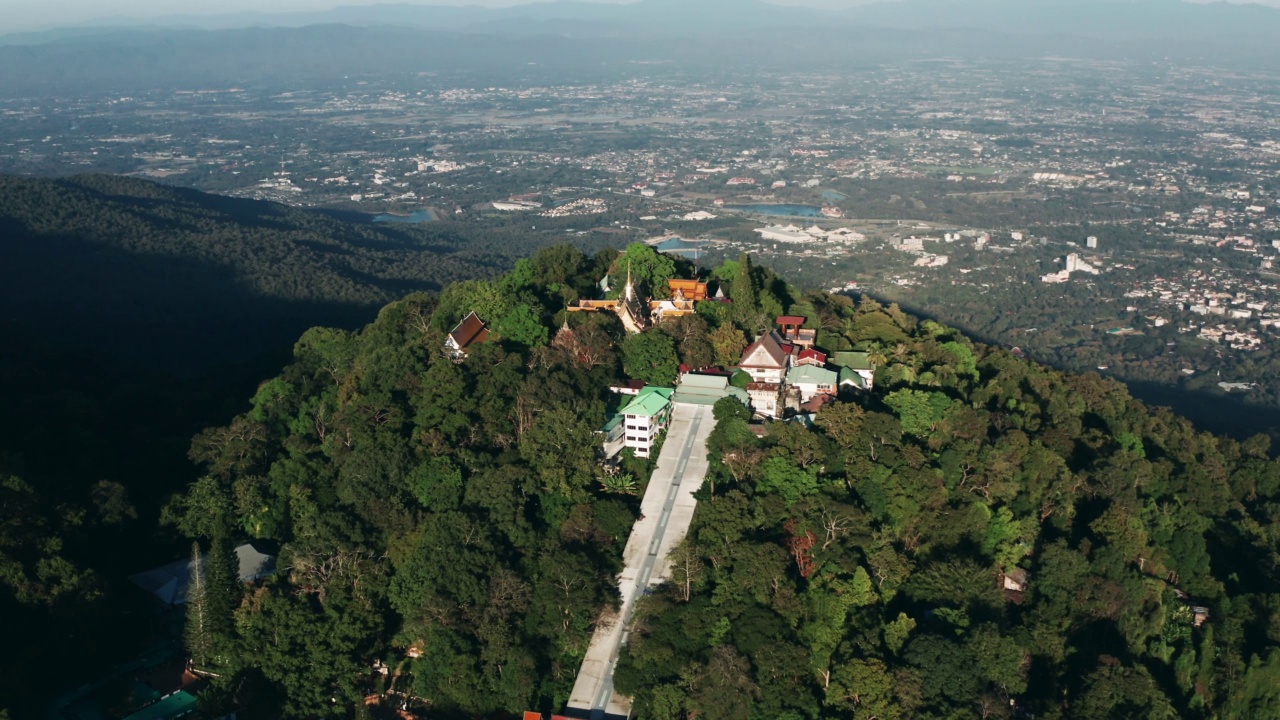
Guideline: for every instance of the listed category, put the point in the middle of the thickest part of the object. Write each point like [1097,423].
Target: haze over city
[21,15]
[26,15]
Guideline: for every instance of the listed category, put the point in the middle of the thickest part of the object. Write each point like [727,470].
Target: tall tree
[728,342]
[222,594]
[649,270]
[199,635]
[743,290]
[651,356]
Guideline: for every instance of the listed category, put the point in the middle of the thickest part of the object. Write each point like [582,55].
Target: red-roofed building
[811,357]
[470,331]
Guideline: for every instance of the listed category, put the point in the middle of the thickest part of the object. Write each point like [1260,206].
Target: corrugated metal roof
[811,375]
[853,378]
[650,402]
[853,360]
[692,380]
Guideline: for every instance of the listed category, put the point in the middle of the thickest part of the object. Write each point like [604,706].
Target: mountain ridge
[567,41]
[1105,18]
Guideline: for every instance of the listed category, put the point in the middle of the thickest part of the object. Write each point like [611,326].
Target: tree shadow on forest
[241,211]
[179,315]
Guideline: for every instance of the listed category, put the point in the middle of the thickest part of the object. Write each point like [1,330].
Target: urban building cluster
[960,179]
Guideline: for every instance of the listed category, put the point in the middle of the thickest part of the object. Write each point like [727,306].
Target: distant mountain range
[684,18]
[576,37]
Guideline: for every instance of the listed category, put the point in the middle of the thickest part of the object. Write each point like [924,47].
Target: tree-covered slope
[450,520]
[857,569]
[452,508]
[132,316]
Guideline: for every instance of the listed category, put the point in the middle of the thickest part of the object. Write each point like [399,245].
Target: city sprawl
[1097,216]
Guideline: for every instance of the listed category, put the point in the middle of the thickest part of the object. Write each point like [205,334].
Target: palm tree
[849,328]
[619,483]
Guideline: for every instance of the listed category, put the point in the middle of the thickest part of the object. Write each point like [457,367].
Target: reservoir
[783,210]
[420,216]
[679,246]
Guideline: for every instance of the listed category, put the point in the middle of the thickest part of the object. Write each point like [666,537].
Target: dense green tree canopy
[977,537]
[858,568]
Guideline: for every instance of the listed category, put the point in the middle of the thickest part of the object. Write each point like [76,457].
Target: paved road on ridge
[666,512]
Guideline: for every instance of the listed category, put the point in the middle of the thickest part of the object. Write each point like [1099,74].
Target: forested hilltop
[977,537]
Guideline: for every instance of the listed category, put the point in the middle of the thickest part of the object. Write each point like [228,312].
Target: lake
[420,216]
[679,246]
[808,211]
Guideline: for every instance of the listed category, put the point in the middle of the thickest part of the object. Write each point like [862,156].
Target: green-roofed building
[852,360]
[856,369]
[850,378]
[179,704]
[810,381]
[645,417]
[698,389]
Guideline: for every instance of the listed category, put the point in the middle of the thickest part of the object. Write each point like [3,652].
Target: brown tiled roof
[692,289]
[470,331]
[772,346]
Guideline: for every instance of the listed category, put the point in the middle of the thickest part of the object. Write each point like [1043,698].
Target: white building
[932,261]
[515,205]
[766,362]
[699,215]
[1075,264]
[811,380]
[645,417]
[784,233]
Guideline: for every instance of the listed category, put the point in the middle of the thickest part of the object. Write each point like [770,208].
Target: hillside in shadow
[133,315]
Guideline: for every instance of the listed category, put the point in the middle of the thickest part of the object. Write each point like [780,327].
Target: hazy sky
[32,14]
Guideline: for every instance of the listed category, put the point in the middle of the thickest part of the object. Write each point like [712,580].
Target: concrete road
[666,512]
